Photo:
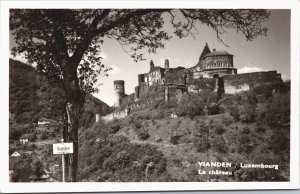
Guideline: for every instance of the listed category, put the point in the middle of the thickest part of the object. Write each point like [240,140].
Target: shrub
[247,113]
[213,109]
[260,128]
[202,144]
[234,112]
[142,134]
[277,112]
[191,106]
[219,130]
[201,140]
[138,125]
[174,139]
[37,168]
[44,135]
[114,127]
[219,145]
[279,141]
[22,169]
[245,144]
[246,130]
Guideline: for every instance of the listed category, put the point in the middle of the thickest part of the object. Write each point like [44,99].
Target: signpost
[63,148]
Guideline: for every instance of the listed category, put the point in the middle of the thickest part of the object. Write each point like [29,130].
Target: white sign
[62,148]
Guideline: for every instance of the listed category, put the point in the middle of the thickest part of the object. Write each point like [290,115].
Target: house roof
[217,53]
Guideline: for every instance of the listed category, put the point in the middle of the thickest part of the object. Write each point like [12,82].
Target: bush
[138,125]
[22,169]
[246,130]
[279,142]
[219,145]
[245,144]
[260,128]
[142,134]
[114,127]
[202,144]
[174,139]
[44,135]
[201,140]
[37,168]
[277,112]
[219,130]
[191,106]
[120,160]
[247,113]
[234,112]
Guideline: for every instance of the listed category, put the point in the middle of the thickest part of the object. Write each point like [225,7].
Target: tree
[37,168]
[65,44]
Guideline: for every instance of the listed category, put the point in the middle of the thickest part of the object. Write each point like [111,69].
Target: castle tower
[205,51]
[119,92]
[167,66]
[141,78]
[151,65]
[136,93]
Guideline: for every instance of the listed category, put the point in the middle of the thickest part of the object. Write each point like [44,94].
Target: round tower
[119,92]
[167,65]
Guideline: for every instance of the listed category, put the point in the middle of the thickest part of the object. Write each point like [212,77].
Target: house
[16,154]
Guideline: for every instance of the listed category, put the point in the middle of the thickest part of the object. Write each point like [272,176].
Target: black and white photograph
[151,95]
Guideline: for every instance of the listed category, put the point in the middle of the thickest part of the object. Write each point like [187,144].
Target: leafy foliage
[191,106]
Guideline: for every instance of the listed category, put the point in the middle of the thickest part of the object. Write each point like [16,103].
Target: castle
[214,71]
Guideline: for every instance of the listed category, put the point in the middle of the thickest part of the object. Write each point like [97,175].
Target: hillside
[162,142]
[32,97]
[250,128]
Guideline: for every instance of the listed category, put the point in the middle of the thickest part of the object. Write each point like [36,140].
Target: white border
[6,186]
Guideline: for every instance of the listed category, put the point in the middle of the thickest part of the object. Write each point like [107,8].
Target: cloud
[251,69]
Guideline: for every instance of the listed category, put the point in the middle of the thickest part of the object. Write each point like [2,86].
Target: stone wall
[243,82]
[176,77]
[199,85]
[151,91]
[119,114]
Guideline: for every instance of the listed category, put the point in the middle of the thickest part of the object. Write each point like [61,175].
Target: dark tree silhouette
[65,44]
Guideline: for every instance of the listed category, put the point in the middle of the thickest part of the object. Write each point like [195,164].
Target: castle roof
[205,51]
[217,53]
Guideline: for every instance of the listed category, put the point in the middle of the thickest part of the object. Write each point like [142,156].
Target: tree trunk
[73,110]
[65,136]
[73,106]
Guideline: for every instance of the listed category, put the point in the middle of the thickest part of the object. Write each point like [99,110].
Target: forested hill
[32,96]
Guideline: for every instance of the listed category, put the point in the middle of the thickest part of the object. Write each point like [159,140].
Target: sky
[265,53]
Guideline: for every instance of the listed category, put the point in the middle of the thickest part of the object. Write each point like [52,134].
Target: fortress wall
[143,104]
[116,115]
[150,91]
[127,99]
[176,77]
[243,82]
[199,85]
